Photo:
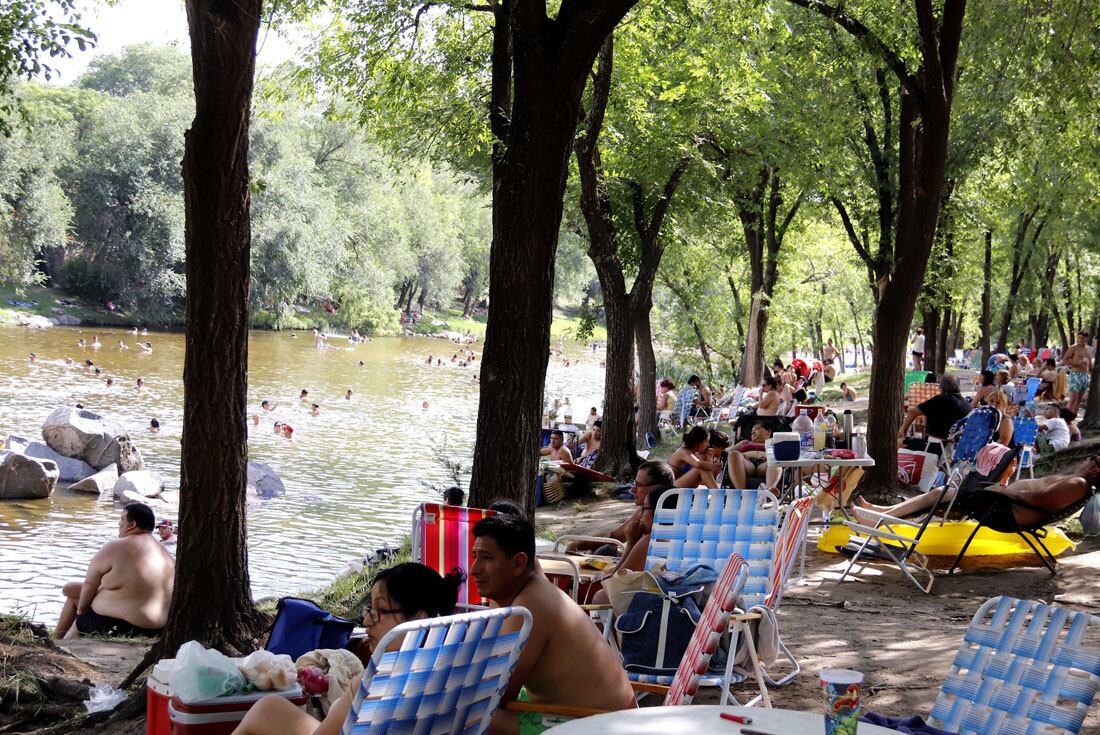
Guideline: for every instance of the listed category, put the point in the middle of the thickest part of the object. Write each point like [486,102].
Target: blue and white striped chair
[1025,430]
[447,677]
[1023,667]
[704,526]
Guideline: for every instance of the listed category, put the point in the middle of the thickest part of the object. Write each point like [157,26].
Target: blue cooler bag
[655,631]
[301,626]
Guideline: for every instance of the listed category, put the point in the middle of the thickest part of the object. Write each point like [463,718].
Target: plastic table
[700,718]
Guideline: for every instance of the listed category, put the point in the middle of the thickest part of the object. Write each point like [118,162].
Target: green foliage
[31,33]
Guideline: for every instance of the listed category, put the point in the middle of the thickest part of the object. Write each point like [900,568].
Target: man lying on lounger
[1051,493]
[128,587]
[566,661]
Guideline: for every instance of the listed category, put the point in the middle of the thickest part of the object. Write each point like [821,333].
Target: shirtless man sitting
[557,451]
[1051,493]
[128,587]
[562,636]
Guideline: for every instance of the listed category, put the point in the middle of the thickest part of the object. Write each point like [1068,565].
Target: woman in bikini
[692,463]
[748,460]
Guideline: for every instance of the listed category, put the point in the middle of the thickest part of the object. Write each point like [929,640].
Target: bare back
[572,663]
[136,583]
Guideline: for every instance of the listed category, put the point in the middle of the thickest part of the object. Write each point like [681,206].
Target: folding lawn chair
[1022,667]
[1025,430]
[704,526]
[443,539]
[882,543]
[974,431]
[684,402]
[447,676]
[914,376]
[995,510]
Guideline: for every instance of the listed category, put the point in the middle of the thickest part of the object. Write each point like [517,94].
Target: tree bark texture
[987,291]
[1092,401]
[618,449]
[212,602]
[923,129]
[1022,250]
[759,212]
[647,373]
[539,69]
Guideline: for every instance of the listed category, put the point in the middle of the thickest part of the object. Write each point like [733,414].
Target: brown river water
[353,474]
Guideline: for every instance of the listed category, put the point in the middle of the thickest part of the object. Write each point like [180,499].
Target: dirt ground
[879,623]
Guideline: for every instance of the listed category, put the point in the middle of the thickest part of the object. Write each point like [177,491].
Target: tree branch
[869,40]
[871,262]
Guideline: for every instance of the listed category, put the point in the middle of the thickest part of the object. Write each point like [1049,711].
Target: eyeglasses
[375,614]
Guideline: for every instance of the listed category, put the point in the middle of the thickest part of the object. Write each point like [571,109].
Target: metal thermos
[848,428]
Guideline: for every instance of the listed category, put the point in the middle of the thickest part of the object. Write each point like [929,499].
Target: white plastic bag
[202,674]
[269,671]
[103,698]
[1090,516]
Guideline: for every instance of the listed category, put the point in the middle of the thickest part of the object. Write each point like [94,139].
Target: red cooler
[222,715]
[157,694]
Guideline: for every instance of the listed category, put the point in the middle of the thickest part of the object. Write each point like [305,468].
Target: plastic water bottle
[830,432]
[805,430]
[819,431]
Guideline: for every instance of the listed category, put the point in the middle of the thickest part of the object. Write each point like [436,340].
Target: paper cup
[841,690]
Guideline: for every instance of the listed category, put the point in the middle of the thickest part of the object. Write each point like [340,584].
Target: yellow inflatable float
[948,540]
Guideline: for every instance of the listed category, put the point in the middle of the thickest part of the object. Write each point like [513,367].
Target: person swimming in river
[347,396]
[95,342]
[139,384]
[314,410]
[267,405]
[146,346]
[303,396]
[154,426]
[122,345]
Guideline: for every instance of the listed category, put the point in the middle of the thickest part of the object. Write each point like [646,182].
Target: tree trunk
[944,343]
[1021,255]
[539,70]
[859,334]
[1092,402]
[752,364]
[212,602]
[931,323]
[987,289]
[647,373]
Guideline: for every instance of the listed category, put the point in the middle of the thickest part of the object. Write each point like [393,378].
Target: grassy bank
[564,326]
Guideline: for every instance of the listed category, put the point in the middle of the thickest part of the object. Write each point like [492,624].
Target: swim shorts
[1078,381]
[93,623]
[535,723]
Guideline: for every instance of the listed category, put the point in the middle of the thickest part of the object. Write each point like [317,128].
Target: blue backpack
[301,626]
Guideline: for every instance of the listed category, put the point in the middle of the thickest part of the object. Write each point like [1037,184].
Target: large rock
[66,320]
[99,483]
[85,435]
[26,477]
[33,321]
[265,480]
[138,484]
[71,469]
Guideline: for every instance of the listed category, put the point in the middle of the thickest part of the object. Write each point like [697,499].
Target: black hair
[660,473]
[718,439]
[154,423]
[454,495]
[505,505]
[416,588]
[843,385]
[598,423]
[771,382]
[141,514]
[1067,415]
[694,379]
[558,432]
[695,435]
[987,377]
[513,534]
[1050,361]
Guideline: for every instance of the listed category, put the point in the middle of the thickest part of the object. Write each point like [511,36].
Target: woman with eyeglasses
[398,595]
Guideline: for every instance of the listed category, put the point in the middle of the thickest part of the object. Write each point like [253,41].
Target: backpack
[655,632]
[301,626]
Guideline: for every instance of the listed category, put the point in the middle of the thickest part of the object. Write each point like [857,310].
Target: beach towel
[341,666]
[914,725]
[765,633]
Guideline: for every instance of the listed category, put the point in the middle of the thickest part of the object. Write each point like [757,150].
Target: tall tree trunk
[944,342]
[212,602]
[1021,256]
[859,334]
[1092,401]
[931,323]
[987,290]
[647,373]
[540,66]
[618,453]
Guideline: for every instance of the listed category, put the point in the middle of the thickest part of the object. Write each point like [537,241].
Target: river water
[353,474]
